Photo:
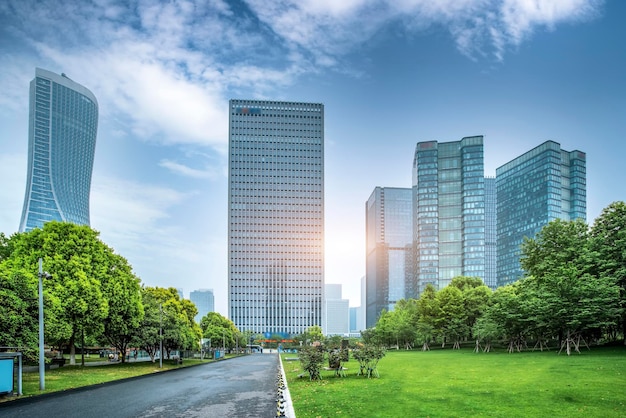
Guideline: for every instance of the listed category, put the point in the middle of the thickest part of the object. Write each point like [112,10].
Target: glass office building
[449,211]
[63,123]
[204,301]
[276,216]
[491,259]
[389,236]
[542,185]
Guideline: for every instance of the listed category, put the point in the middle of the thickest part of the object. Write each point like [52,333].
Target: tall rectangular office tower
[448,211]
[204,301]
[388,262]
[62,128]
[542,185]
[276,216]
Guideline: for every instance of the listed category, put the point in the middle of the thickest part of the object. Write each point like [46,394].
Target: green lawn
[461,383]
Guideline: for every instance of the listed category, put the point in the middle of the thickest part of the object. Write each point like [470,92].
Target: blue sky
[390,74]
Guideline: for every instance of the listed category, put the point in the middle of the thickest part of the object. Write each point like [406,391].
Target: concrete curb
[289,411]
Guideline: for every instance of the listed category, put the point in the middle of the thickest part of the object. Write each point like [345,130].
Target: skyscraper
[389,235]
[276,215]
[491,258]
[63,123]
[204,301]
[542,185]
[449,211]
[336,311]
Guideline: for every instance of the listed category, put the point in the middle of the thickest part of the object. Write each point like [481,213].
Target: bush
[311,359]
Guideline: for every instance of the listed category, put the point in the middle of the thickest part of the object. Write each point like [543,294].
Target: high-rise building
[63,123]
[389,235]
[542,185]
[276,216]
[449,211]
[204,301]
[336,312]
[491,258]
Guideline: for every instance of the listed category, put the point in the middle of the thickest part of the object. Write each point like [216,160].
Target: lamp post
[42,367]
[42,362]
[161,337]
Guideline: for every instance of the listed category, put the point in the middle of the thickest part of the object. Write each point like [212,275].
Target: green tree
[506,316]
[76,258]
[19,310]
[475,297]
[122,290]
[221,330]
[608,241]
[147,335]
[562,263]
[427,311]
[451,319]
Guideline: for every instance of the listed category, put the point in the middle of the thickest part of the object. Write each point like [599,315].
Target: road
[238,387]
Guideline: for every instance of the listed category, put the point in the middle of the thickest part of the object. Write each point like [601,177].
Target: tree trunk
[72,351]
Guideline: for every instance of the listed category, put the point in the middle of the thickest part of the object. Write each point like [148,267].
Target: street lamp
[42,367]
[161,337]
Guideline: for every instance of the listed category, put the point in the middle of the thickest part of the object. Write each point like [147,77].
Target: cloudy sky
[390,73]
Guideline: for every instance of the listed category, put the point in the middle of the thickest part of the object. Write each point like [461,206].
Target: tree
[427,311]
[219,329]
[19,310]
[475,297]
[122,290]
[608,241]
[562,263]
[6,247]
[76,258]
[147,335]
[505,316]
[451,320]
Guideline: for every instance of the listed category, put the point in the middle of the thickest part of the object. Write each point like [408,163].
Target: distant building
[337,312]
[448,211]
[389,234]
[276,216]
[62,129]
[204,301]
[491,259]
[542,185]
[179,290]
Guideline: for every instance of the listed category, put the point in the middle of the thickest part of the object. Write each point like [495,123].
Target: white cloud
[325,28]
[13,175]
[183,170]
[165,70]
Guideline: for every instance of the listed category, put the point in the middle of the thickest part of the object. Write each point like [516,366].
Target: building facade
[389,235]
[204,299]
[276,216]
[63,124]
[448,211]
[542,185]
[336,312]
[491,258]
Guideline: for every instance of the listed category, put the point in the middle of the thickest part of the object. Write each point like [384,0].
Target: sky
[390,73]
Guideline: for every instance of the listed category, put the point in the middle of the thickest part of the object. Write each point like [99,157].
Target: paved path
[238,387]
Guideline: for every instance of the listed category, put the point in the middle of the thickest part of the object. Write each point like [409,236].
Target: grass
[452,383]
[71,377]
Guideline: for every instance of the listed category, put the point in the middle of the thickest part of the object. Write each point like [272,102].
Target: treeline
[92,298]
[574,293]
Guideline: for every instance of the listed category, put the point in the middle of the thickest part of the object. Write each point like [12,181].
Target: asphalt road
[238,387]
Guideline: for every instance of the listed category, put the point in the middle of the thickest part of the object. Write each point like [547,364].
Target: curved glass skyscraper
[63,123]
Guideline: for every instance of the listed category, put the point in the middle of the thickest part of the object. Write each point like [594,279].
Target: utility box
[7,370]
